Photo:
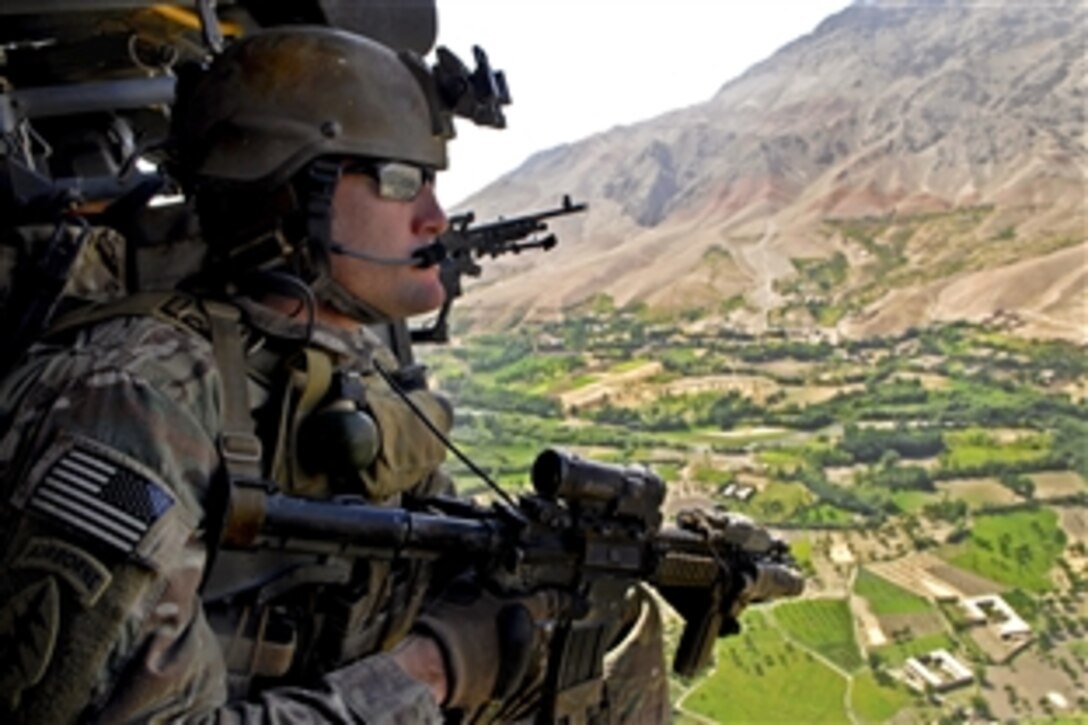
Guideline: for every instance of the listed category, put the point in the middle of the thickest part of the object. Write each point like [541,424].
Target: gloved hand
[731,529]
[761,566]
[772,574]
[488,642]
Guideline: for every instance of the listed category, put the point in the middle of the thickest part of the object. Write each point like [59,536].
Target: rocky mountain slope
[905,162]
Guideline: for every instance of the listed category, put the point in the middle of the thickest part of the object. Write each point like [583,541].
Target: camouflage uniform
[104,617]
[635,678]
[112,605]
[108,469]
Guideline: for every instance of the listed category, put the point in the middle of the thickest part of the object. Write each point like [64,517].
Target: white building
[937,670]
[996,612]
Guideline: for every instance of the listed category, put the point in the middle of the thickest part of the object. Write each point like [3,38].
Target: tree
[888,459]
[1023,555]
[982,707]
[1004,542]
[1018,484]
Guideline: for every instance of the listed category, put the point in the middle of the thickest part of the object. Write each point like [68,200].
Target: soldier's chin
[424,304]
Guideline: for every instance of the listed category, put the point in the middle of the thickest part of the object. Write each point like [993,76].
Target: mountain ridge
[954,120]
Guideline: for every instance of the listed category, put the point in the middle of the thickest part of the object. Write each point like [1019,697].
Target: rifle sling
[239,446]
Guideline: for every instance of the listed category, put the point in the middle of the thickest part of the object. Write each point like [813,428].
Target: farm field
[973,448]
[777,502]
[1051,484]
[843,476]
[873,702]
[912,502]
[908,474]
[978,493]
[919,624]
[808,395]
[823,625]
[762,661]
[886,598]
[1075,524]
[1033,677]
[823,514]
[1017,549]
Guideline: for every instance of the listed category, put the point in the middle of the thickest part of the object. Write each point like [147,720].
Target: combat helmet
[264,131]
[274,101]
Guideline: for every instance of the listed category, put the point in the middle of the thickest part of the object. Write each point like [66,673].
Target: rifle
[591,530]
[464,244]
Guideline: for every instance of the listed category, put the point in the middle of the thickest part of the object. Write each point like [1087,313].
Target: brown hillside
[937,147]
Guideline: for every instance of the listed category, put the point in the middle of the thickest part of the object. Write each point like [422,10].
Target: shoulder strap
[239,445]
[173,307]
[221,323]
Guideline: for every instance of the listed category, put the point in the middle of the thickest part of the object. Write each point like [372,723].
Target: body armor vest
[285,617]
[288,617]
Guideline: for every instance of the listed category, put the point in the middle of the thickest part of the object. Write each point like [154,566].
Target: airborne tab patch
[87,575]
[101,495]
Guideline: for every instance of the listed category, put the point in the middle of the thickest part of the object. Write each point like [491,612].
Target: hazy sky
[576,67]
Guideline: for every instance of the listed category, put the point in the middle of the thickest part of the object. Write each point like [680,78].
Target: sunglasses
[397,180]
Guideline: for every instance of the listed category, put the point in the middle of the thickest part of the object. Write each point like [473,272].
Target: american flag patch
[101,497]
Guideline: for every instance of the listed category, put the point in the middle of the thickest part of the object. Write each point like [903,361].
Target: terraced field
[763,661]
[825,626]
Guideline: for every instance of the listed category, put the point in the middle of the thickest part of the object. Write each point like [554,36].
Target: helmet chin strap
[423,257]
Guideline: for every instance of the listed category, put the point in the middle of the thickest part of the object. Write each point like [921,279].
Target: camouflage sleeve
[635,676]
[103,475]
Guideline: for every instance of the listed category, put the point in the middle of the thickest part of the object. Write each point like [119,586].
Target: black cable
[265,281]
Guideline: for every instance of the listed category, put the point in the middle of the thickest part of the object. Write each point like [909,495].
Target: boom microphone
[423,257]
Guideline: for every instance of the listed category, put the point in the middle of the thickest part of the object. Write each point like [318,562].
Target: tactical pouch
[309,377]
[410,451]
[407,450]
[262,645]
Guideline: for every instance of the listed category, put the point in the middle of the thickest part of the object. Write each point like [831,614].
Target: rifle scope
[624,490]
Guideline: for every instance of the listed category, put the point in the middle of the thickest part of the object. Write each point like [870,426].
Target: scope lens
[547,473]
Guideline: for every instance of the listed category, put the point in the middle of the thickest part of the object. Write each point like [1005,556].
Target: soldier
[311,154]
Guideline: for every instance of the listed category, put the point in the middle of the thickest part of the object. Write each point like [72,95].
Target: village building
[740,492]
[994,611]
[840,553]
[938,671]
[998,630]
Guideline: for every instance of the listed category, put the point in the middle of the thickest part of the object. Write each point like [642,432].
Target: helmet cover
[274,101]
